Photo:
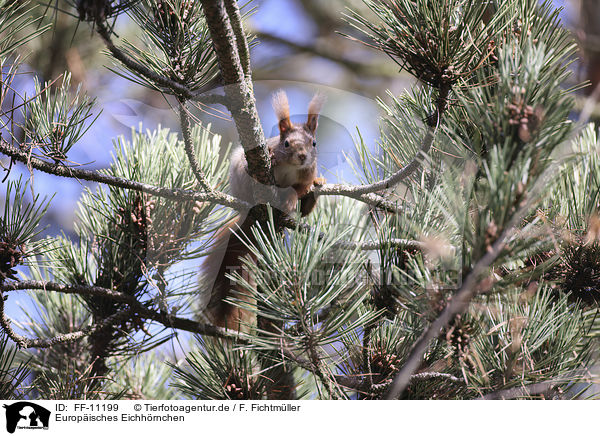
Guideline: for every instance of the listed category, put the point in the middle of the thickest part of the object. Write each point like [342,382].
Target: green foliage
[20,221]
[128,242]
[19,225]
[438,42]
[13,373]
[134,235]
[307,284]
[56,314]
[143,377]
[175,43]
[527,342]
[57,119]
[578,184]
[401,131]
[14,16]
[219,371]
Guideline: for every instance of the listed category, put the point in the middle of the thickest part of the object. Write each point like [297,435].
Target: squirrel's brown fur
[294,160]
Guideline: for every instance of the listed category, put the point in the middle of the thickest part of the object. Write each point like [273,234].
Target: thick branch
[237,89]
[209,99]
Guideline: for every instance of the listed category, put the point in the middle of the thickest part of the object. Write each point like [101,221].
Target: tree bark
[238,91]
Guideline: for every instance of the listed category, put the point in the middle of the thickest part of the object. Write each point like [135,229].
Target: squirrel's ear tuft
[314,107]
[282,111]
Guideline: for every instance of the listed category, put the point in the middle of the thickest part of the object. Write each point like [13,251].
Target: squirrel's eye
[314,142]
[286,144]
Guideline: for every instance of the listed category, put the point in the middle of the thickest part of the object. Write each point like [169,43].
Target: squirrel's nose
[302,157]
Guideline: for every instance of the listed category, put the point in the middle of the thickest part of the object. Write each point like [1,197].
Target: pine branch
[169,193]
[433,375]
[292,224]
[96,176]
[372,199]
[360,383]
[24,342]
[175,87]
[319,367]
[359,192]
[93,291]
[542,388]
[134,307]
[366,358]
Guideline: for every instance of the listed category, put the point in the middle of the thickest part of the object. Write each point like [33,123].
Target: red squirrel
[294,162]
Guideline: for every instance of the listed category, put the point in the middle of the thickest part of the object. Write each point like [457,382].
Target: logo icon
[26,415]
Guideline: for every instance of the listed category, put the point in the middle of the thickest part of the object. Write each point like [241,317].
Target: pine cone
[578,272]
[383,364]
[10,257]
[459,334]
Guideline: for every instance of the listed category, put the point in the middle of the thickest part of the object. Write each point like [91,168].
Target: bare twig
[118,54]
[292,224]
[184,120]
[434,375]
[376,245]
[359,192]
[94,291]
[359,68]
[366,355]
[372,199]
[522,391]
[317,364]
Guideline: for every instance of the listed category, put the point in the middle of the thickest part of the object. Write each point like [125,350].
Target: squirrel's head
[297,141]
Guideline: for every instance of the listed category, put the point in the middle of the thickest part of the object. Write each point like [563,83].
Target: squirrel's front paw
[319,181]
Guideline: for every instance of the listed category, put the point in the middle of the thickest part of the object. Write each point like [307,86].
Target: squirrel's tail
[226,258]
